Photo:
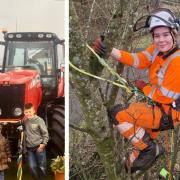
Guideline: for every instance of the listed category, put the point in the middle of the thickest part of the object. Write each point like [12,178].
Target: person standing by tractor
[138,122]
[36,138]
[5,154]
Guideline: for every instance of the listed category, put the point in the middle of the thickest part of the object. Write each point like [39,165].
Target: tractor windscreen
[37,55]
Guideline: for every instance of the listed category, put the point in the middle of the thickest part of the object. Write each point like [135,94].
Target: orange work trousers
[139,118]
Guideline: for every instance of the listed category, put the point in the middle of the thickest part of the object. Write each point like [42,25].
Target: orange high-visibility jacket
[164,72]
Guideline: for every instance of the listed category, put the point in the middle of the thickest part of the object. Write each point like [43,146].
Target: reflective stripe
[157,150]
[160,76]
[154,54]
[136,60]
[137,136]
[169,93]
[152,92]
[148,56]
[140,145]
[115,53]
[133,156]
[123,127]
[163,69]
[161,73]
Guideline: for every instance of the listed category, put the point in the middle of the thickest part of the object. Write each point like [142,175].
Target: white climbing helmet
[158,17]
[162,18]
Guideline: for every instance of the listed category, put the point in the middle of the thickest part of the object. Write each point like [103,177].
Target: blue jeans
[37,163]
[1,175]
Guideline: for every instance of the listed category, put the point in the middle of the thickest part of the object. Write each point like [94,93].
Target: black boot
[147,157]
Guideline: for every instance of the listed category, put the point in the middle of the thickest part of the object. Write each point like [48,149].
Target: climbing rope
[170,153]
[97,77]
[137,92]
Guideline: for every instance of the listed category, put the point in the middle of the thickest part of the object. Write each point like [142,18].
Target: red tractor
[33,71]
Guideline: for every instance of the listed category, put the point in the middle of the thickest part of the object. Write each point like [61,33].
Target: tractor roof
[31,36]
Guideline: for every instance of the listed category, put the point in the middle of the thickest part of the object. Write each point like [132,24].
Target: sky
[33,15]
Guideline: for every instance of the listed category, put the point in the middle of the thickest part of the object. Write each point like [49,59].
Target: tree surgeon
[140,122]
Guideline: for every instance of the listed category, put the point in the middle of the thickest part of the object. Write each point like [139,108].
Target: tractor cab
[38,51]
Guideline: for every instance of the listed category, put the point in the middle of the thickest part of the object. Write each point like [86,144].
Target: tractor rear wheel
[57,130]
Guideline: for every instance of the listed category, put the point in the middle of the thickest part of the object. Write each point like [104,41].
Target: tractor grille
[11,97]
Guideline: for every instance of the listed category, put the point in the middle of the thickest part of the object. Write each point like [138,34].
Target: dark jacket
[4,153]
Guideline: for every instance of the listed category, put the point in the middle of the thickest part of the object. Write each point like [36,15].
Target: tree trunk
[96,119]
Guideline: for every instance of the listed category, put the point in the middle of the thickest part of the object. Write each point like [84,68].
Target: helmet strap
[173,37]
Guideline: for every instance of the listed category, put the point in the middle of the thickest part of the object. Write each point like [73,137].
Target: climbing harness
[166,121]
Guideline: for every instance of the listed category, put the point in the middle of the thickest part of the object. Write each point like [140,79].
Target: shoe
[147,157]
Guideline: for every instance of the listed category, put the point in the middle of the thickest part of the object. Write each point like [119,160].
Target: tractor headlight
[10,36]
[49,35]
[40,35]
[17,112]
[18,35]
